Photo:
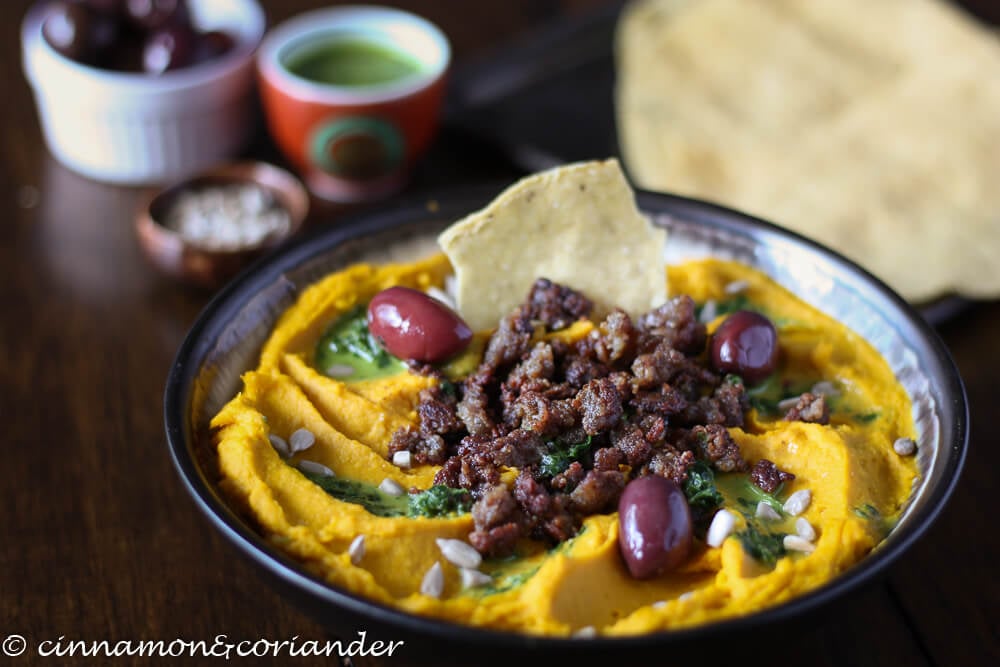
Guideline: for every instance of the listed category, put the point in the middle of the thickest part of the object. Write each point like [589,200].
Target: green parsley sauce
[348,351]
[353,62]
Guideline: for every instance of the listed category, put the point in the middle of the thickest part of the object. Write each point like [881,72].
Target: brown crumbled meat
[676,323]
[631,442]
[556,306]
[496,542]
[599,405]
[561,522]
[579,370]
[533,498]
[639,393]
[517,449]
[663,402]
[539,365]
[671,463]
[509,342]
[534,412]
[654,427]
[617,339]
[568,478]
[810,408]
[598,491]
[437,411]
[768,477]
[714,443]
[496,507]
[423,447]
[606,458]
[731,398]
[473,409]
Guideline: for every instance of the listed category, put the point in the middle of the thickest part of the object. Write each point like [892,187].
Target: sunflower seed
[905,446]
[440,295]
[474,578]
[708,312]
[797,502]
[459,553]
[314,468]
[433,581]
[391,487]
[357,549]
[796,543]
[765,511]
[736,287]
[685,596]
[402,459]
[805,530]
[825,388]
[722,527]
[586,632]
[301,440]
[279,445]
[787,404]
[339,370]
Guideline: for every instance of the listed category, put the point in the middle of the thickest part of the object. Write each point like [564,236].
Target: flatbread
[872,127]
[577,225]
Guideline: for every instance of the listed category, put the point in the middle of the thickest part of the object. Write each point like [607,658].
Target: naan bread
[872,127]
[577,225]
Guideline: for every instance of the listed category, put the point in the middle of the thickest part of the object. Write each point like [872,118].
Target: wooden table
[99,539]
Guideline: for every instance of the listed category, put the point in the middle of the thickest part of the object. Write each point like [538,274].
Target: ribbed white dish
[135,129]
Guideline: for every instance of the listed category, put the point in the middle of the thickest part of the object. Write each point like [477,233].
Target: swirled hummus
[306,451]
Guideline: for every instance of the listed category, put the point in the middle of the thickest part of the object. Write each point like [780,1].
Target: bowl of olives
[143,91]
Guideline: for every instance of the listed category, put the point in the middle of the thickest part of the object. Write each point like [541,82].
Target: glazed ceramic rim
[177,400]
[299,32]
[251,31]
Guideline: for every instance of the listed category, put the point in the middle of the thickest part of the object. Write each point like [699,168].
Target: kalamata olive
[654,526]
[412,325]
[67,29]
[746,343]
[213,44]
[168,49]
[112,8]
[156,14]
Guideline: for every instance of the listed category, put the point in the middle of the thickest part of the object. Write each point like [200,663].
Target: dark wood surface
[99,539]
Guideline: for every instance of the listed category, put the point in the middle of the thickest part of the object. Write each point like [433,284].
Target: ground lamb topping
[578,420]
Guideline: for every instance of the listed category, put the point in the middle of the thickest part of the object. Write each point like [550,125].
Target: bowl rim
[308,25]
[252,545]
[34,47]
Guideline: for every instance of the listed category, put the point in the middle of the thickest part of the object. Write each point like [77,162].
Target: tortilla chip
[577,225]
[871,127]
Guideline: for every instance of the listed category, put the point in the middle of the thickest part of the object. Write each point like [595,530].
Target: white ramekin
[131,128]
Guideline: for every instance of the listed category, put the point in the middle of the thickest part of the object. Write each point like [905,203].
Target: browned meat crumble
[768,477]
[631,399]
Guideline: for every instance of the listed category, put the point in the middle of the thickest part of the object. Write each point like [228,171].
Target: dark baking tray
[548,99]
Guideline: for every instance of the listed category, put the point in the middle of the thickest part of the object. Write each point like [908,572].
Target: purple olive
[654,526]
[746,343]
[171,48]
[412,325]
[213,44]
[156,14]
[68,30]
[113,8]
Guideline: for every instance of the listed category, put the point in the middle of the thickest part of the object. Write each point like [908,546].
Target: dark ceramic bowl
[226,340]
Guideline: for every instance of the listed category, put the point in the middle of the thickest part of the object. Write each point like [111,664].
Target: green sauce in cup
[353,62]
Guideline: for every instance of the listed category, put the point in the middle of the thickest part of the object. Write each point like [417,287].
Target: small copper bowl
[198,264]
